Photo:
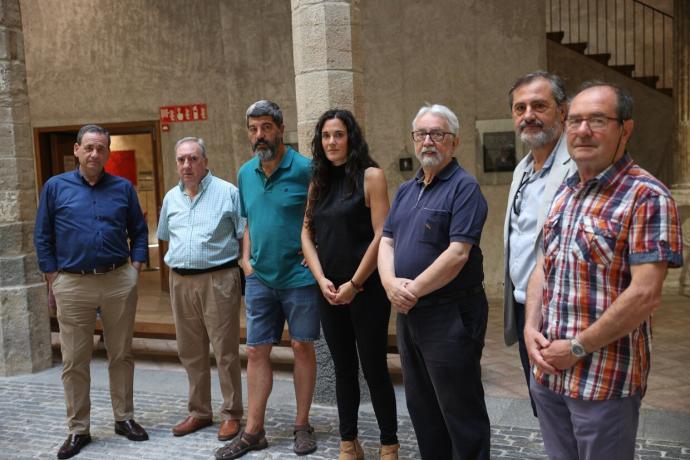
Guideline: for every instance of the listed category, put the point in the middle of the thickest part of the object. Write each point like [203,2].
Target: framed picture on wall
[499,151]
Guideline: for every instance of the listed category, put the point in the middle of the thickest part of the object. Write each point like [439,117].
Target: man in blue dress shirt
[89,226]
[201,219]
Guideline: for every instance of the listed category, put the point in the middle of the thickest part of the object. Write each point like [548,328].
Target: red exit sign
[181,113]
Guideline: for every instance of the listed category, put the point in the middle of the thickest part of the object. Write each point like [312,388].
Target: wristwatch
[577,349]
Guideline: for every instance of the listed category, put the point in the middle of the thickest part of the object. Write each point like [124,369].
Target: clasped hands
[403,294]
[550,357]
[342,295]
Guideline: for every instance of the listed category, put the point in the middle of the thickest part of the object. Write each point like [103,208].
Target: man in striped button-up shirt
[201,219]
[612,232]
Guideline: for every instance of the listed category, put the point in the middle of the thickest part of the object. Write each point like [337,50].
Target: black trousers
[361,326]
[524,357]
[440,343]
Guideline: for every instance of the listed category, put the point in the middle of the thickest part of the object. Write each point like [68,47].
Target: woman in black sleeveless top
[346,210]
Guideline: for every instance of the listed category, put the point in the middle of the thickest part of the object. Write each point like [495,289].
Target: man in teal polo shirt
[273,192]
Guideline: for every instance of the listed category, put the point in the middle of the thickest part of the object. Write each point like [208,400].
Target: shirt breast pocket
[436,226]
[596,240]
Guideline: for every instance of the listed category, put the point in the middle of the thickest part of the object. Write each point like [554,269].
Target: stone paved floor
[32,414]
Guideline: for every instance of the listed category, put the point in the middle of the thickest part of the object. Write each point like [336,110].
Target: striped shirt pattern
[203,232]
[595,231]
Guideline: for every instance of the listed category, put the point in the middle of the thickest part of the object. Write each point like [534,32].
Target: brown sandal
[242,444]
[305,440]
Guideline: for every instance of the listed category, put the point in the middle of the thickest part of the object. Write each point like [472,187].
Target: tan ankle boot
[390,452]
[351,450]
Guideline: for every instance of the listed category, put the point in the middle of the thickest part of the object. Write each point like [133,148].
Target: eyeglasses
[518,194]
[436,136]
[595,122]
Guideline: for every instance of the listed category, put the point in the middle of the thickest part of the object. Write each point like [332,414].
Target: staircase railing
[629,35]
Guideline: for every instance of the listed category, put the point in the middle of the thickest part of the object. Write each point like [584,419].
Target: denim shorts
[268,308]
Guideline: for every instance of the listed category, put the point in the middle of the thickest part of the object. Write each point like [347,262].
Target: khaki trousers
[77,299]
[207,307]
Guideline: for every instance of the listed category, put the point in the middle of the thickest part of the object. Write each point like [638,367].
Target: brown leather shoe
[228,430]
[190,425]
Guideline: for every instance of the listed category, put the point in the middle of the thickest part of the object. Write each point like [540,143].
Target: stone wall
[462,54]
[123,60]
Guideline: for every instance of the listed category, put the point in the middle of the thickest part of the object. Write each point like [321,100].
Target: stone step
[555,36]
[625,69]
[649,80]
[666,91]
[580,47]
[602,58]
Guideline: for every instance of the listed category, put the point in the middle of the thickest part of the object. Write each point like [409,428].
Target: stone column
[680,188]
[24,325]
[327,55]
[681,94]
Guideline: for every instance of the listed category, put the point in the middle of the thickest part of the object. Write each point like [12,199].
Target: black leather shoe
[132,430]
[73,445]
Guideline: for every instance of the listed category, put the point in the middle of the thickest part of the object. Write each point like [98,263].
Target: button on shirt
[523,227]
[274,207]
[204,231]
[595,231]
[82,227]
[424,220]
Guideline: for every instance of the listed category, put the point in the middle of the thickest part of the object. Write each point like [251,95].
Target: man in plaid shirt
[612,232]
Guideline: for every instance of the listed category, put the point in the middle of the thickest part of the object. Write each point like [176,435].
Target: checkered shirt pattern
[594,232]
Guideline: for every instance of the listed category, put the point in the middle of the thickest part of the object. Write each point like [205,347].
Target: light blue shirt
[203,231]
[523,228]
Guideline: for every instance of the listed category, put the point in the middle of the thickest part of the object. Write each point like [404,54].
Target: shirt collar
[549,160]
[607,176]
[79,176]
[444,174]
[552,156]
[203,185]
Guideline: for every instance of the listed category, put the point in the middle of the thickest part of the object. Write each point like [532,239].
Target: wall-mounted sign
[181,113]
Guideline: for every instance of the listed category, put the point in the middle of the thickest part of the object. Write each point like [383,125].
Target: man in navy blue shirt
[84,221]
[431,267]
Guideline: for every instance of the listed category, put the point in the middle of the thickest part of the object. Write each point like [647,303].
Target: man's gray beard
[542,138]
[265,154]
[430,161]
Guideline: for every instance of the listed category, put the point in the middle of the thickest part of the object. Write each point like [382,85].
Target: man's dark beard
[267,153]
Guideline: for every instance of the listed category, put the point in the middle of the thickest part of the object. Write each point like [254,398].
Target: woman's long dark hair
[358,158]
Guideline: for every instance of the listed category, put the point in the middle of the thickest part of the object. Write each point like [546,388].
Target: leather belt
[95,271]
[201,271]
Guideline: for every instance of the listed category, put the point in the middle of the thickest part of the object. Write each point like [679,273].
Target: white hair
[440,111]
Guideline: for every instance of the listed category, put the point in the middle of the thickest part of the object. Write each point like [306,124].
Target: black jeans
[361,326]
[441,343]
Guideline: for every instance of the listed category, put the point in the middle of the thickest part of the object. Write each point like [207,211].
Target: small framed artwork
[498,151]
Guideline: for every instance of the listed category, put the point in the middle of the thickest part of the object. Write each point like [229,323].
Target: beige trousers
[207,307]
[77,299]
